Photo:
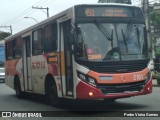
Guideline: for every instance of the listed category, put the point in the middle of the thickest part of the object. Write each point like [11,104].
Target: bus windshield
[111,42]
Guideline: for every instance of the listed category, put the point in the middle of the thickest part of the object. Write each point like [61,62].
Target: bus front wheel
[51,94]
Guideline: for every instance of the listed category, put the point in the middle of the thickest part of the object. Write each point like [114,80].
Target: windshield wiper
[128,30]
[125,40]
[126,35]
[138,37]
[104,31]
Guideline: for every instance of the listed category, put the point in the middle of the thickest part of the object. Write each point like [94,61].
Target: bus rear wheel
[19,93]
[51,94]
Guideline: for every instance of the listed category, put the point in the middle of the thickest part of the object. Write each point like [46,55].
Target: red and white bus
[89,51]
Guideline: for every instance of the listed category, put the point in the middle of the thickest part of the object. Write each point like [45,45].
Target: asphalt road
[89,109]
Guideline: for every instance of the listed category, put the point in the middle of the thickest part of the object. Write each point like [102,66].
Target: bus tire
[17,87]
[51,93]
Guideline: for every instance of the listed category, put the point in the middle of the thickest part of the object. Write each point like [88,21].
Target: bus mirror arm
[78,30]
[73,26]
[71,38]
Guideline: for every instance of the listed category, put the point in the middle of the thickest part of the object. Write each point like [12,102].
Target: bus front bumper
[86,91]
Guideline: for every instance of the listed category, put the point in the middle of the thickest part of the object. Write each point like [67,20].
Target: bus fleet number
[138,77]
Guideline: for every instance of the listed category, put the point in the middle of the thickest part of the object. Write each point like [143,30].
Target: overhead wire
[27,12]
[18,16]
[48,2]
[22,17]
[42,3]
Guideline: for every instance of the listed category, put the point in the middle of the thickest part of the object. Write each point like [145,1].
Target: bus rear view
[112,46]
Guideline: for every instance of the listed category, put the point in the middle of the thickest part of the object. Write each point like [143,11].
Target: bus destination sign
[107,12]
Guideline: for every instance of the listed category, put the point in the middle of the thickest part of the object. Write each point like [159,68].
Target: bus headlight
[81,76]
[86,78]
[147,77]
[91,81]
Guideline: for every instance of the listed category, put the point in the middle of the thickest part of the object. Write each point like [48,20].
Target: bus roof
[58,15]
[118,4]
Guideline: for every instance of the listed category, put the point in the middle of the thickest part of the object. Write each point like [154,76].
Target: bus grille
[121,88]
[117,68]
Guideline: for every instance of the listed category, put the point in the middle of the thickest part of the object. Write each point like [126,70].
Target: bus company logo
[6,114]
[123,79]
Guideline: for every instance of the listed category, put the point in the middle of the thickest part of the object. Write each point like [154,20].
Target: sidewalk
[5,118]
[154,83]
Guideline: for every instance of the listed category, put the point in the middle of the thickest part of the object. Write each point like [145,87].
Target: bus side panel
[53,64]
[39,71]
[12,68]
[19,71]
[43,65]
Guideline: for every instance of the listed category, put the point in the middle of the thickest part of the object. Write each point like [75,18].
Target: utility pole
[7,27]
[42,10]
[145,4]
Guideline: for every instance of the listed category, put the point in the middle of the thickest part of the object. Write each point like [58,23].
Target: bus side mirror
[78,30]
[71,38]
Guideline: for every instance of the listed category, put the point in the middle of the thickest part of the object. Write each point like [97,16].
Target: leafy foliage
[155,21]
[155,18]
[4,35]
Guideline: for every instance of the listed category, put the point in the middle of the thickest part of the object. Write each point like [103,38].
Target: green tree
[155,18]
[155,21]
[4,35]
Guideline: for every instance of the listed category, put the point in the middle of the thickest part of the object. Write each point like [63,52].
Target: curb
[156,85]
[1,118]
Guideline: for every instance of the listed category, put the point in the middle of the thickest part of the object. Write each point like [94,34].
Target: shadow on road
[88,105]
[83,108]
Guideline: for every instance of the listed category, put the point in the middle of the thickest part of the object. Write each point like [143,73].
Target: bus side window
[9,50]
[37,42]
[50,35]
[18,48]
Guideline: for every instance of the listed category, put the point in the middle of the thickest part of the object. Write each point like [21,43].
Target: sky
[12,12]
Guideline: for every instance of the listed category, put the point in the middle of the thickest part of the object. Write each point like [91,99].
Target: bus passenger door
[27,63]
[68,66]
